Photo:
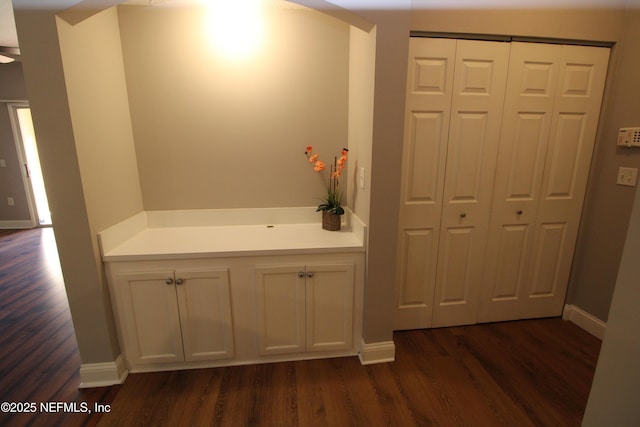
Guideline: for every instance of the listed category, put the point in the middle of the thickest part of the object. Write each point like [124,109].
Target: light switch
[361,179]
[627,176]
[3,164]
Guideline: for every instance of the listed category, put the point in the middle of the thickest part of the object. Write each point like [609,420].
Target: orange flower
[319,166]
[309,149]
[342,160]
[313,158]
[344,152]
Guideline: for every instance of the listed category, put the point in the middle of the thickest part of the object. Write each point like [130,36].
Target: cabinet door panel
[281,311]
[465,159]
[417,275]
[205,314]
[563,164]
[513,241]
[551,265]
[423,169]
[151,325]
[524,160]
[456,290]
[329,302]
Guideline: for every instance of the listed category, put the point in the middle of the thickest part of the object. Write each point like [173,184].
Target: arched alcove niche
[214,132]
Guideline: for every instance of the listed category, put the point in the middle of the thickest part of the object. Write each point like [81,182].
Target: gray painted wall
[608,206]
[613,400]
[12,88]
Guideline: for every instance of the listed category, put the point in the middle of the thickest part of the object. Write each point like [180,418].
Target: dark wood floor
[524,373]
[39,354]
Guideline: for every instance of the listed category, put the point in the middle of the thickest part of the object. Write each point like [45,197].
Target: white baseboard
[379,352]
[16,224]
[586,321]
[103,374]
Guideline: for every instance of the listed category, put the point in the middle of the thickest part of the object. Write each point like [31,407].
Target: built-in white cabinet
[497,149]
[174,315]
[188,313]
[305,308]
[206,288]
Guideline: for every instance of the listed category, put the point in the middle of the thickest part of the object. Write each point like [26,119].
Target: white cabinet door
[150,323]
[329,307]
[205,314]
[305,308]
[551,114]
[281,314]
[174,316]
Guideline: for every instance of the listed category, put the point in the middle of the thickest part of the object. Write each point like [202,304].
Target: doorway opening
[27,149]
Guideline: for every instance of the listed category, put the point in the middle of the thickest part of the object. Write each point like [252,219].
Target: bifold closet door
[428,108]
[474,132]
[455,94]
[551,113]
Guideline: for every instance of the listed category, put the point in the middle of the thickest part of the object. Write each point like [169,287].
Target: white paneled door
[455,95]
[551,115]
[428,108]
[497,148]
[476,114]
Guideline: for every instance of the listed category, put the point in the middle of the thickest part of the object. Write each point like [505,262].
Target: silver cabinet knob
[310,274]
[301,274]
[168,281]
[179,281]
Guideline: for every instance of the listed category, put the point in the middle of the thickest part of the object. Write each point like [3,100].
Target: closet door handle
[520,212]
[179,281]
[168,281]
[463,215]
[310,274]
[301,274]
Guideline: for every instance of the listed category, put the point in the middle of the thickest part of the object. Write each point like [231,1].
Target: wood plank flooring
[523,373]
[39,355]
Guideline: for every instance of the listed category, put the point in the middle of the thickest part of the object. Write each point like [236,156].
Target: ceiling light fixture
[236,28]
[8,54]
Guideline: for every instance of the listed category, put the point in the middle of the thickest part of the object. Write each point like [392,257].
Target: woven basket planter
[330,221]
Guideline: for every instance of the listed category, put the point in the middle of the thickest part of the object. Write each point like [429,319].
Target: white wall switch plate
[361,179]
[627,176]
[3,164]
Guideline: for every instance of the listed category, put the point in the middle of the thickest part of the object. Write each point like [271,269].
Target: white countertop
[157,243]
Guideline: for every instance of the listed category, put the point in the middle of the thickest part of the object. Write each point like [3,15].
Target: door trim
[509,39]
[12,106]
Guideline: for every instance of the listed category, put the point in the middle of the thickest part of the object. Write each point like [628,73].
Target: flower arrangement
[332,203]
